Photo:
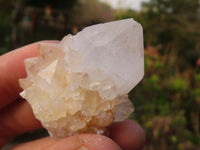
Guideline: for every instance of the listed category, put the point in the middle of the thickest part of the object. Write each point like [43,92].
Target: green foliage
[58,4]
[167,105]
[168,99]
[178,84]
[197,92]
[197,77]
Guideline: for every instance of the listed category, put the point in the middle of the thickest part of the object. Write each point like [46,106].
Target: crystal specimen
[81,84]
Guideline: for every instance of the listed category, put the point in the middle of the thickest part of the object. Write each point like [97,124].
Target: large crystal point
[81,84]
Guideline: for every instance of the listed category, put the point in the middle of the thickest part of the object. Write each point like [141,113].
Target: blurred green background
[167,101]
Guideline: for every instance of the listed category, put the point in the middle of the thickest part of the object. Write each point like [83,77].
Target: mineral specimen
[81,84]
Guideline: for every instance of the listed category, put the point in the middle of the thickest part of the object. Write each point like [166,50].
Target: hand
[16,115]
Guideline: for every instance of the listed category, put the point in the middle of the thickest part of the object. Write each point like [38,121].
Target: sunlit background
[125,4]
[167,101]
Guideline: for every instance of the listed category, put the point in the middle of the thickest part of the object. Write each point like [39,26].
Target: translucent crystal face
[81,84]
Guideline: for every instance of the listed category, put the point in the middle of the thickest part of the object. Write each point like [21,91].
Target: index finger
[12,69]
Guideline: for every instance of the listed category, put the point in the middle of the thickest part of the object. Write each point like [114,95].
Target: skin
[17,117]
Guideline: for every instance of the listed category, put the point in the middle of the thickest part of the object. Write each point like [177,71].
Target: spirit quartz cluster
[81,84]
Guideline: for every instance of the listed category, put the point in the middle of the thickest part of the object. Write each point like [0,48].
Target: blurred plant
[168,99]
[18,19]
[88,12]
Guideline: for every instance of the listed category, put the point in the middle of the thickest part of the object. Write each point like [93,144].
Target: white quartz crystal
[81,84]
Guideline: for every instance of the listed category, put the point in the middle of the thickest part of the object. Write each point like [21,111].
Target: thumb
[77,142]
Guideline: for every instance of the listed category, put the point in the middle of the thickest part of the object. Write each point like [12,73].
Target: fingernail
[82,148]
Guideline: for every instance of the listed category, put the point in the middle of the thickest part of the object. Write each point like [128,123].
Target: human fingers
[16,118]
[12,68]
[77,142]
[128,134]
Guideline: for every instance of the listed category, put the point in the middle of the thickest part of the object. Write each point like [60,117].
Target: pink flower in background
[152,51]
[198,62]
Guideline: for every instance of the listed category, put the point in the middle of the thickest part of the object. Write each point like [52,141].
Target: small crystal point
[81,84]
